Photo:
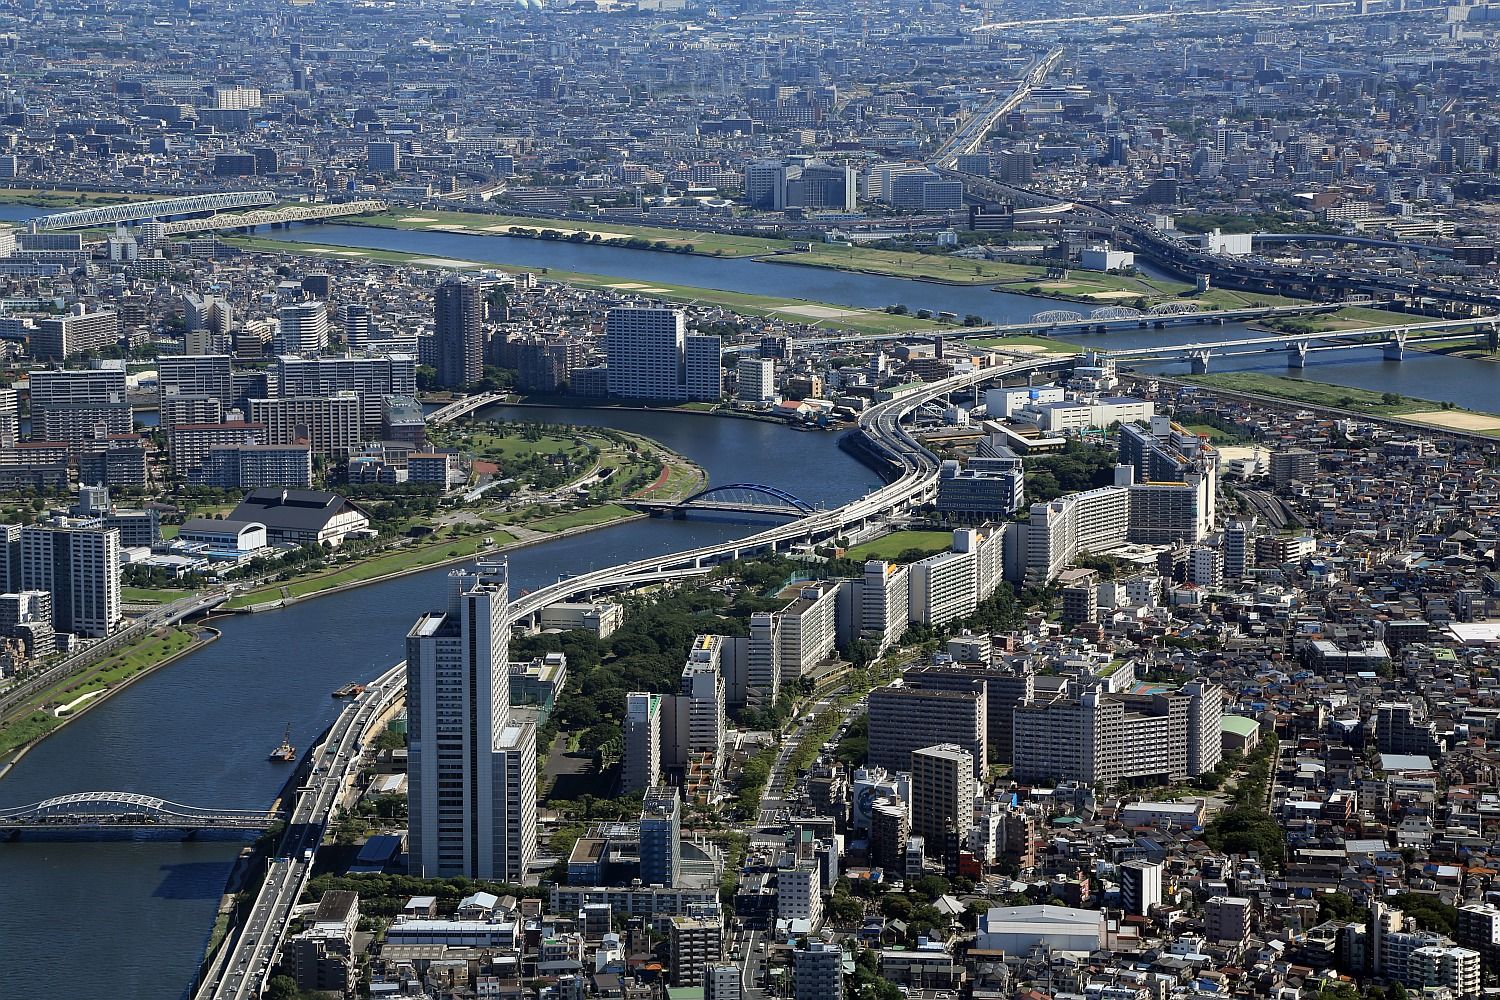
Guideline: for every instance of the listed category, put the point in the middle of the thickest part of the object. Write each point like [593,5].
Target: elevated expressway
[913,481]
[245,962]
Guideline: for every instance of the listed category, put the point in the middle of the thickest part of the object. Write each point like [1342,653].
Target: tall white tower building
[471,770]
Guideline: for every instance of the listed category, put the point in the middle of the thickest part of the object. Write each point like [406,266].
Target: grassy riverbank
[1360,401]
[40,715]
[789,309]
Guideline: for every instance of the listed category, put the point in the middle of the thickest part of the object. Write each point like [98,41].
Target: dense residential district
[1104,665]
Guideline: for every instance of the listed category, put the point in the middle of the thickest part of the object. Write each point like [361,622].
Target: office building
[458,329]
[77,406]
[942,793]
[1140,887]
[1097,736]
[58,338]
[641,767]
[799,893]
[818,972]
[914,712]
[471,769]
[694,943]
[650,355]
[661,837]
[303,328]
[77,561]
[383,157]
[988,488]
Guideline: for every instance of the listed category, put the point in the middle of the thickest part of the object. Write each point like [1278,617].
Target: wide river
[136,914]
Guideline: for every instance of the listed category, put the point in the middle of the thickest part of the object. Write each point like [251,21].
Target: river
[135,914]
[1473,384]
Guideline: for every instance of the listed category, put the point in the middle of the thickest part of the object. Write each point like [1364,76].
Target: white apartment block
[799,893]
[303,328]
[1062,529]
[809,630]
[370,378]
[694,719]
[650,355]
[756,378]
[1103,737]
[471,769]
[942,792]
[882,603]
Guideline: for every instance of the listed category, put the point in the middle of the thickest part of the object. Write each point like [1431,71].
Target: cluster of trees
[1248,828]
[385,895]
[1076,468]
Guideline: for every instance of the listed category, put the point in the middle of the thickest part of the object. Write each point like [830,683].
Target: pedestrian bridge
[81,811]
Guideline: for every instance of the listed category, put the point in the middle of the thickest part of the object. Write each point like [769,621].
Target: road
[244,965]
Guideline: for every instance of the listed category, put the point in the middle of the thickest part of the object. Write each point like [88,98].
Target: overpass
[276,216]
[103,811]
[1393,340]
[1065,322]
[248,956]
[137,211]
[971,137]
[464,406]
[912,472]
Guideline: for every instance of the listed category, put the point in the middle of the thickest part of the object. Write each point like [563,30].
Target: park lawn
[1213,433]
[484,224]
[1348,318]
[819,313]
[508,447]
[69,199]
[139,655]
[579,518]
[147,595]
[677,484]
[1313,393]
[412,557]
[892,545]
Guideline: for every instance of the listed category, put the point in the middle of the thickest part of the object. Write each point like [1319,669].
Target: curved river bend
[135,914]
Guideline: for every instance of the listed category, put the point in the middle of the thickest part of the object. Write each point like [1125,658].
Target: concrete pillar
[1492,337]
[1296,354]
[1395,347]
[1198,362]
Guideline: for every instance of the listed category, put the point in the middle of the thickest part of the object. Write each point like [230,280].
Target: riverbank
[789,309]
[1344,401]
[43,724]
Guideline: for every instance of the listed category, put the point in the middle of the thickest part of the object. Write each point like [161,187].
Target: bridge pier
[1492,338]
[1296,354]
[1395,347]
[1198,362]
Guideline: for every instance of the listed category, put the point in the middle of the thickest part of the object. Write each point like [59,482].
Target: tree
[283,988]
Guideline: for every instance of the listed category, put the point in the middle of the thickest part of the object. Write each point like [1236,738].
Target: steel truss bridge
[92,811]
[137,211]
[275,216]
[741,498]
[1393,341]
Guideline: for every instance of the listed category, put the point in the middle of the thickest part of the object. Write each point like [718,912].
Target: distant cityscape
[955,501]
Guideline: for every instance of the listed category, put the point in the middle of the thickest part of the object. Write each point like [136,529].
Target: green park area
[404,559]
[1023,340]
[580,518]
[902,544]
[38,198]
[39,714]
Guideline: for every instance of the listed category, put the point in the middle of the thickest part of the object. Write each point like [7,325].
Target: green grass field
[1027,340]
[1312,393]
[394,562]
[897,542]
[579,518]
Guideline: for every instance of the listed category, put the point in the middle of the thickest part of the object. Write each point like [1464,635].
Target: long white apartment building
[1062,529]
[882,603]
[369,378]
[785,645]
[75,405]
[1095,736]
[329,424]
[650,355]
[303,328]
[950,585]
[694,719]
